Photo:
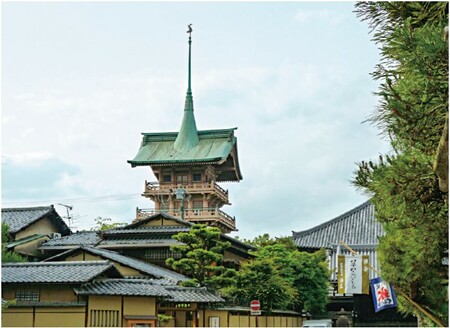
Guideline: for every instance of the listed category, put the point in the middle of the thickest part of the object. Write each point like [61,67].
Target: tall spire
[187,137]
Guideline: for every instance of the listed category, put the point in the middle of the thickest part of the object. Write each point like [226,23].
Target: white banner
[353,274]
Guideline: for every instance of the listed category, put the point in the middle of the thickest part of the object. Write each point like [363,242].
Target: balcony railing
[156,188]
[197,214]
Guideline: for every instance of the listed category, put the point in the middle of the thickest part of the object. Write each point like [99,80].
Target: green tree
[106,224]
[298,280]
[202,257]
[307,272]
[261,279]
[265,240]
[8,256]
[412,113]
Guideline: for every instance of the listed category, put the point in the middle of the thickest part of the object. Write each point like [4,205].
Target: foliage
[8,256]
[265,239]
[163,318]
[413,109]
[281,277]
[7,304]
[261,279]
[202,257]
[106,224]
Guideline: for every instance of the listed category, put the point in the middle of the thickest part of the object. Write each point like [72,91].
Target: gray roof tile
[144,287]
[191,295]
[160,240]
[148,229]
[355,227]
[76,239]
[123,287]
[21,217]
[148,268]
[56,272]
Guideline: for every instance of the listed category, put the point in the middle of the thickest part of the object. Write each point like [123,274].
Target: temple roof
[213,147]
[355,227]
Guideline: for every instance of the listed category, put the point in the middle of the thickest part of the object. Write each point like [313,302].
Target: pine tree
[412,113]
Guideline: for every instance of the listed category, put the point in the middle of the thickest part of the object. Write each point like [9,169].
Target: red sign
[255,305]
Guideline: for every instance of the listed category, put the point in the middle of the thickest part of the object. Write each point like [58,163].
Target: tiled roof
[147,240]
[76,239]
[191,295]
[214,146]
[157,216]
[56,272]
[147,230]
[143,287]
[355,227]
[21,217]
[148,268]
[123,287]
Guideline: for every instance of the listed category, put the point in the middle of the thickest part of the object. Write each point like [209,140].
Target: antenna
[68,217]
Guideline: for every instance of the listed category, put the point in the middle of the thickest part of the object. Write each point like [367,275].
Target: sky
[82,80]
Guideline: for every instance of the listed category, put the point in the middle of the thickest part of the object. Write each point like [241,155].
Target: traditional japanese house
[148,240]
[30,227]
[94,294]
[358,229]
[188,165]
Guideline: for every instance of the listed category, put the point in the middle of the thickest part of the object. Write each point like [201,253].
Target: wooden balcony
[165,189]
[208,216]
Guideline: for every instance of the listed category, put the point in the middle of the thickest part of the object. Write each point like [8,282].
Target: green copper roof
[159,148]
[214,147]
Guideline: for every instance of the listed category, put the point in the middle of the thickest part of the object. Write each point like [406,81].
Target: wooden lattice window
[104,318]
[27,295]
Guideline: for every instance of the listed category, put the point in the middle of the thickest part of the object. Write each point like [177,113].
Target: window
[31,295]
[182,178]
[167,178]
[153,255]
[197,204]
[104,318]
[197,177]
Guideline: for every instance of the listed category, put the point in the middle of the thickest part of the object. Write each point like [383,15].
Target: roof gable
[355,227]
[20,218]
[57,272]
[149,222]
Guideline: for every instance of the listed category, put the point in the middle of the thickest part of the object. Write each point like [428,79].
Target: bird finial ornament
[189,29]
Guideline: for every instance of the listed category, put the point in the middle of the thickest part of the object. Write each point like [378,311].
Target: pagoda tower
[188,166]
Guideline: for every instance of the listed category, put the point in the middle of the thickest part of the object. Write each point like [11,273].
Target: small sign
[255,307]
